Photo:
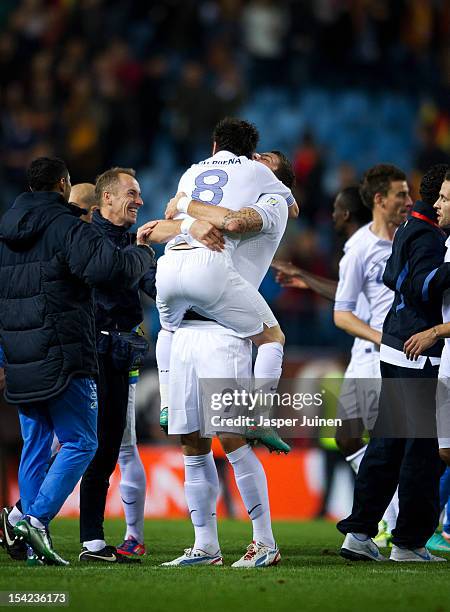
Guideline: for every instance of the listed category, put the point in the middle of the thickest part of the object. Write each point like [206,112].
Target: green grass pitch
[311,576]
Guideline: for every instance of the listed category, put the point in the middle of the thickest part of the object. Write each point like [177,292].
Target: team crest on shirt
[272,201]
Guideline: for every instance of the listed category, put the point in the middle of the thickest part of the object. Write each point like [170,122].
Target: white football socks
[94,545]
[355,459]
[14,516]
[391,514]
[162,350]
[132,491]
[36,522]
[201,488]
[269,361]
[252,484]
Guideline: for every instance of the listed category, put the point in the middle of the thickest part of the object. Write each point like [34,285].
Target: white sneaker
[259,555]
[420,555]
[358,549]
[197,556]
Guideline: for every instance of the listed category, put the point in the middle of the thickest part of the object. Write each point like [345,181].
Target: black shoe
[2,531]
[13,544]
[108,554]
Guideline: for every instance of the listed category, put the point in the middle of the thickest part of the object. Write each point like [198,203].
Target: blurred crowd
[141,84]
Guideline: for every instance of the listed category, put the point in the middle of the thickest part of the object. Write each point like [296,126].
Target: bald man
[83,195]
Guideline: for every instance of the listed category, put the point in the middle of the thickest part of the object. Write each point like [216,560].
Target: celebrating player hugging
[70,311]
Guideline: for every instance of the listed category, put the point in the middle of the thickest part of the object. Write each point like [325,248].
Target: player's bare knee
[193,445]
[269,334]
[231,443]
[444,454]
[280,337]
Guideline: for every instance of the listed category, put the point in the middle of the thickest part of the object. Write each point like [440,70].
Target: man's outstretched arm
[288,275]
[161,231]
[240,221]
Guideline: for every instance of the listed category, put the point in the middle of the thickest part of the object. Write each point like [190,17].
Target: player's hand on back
[208,235]
[171,208]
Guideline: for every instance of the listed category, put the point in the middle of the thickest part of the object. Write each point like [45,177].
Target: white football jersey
[254,252]
[444,369]
[361,311]
[361,271]
[229,181]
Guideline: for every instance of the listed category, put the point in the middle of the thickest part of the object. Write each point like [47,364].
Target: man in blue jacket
[403,450]
[49,263]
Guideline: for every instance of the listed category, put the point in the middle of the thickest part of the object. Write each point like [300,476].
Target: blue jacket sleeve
[425,258]
[98,262]
[148,282]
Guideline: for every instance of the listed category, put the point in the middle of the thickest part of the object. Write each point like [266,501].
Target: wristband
[186,225]
[183,204]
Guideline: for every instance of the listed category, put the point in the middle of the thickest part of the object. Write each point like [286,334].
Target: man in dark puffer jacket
[49,262]
[117,309]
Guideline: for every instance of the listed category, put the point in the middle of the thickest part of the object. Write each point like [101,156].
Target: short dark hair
[351,200]
[109,179]
[431,182]
[237,136]
[378,180]
[44,172]
[284,172]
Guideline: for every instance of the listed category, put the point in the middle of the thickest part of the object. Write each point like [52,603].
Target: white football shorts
[360,391]
[207,282]
[443,409]
[202,350]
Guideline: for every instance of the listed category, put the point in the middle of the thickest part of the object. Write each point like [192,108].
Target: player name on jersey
[220,162]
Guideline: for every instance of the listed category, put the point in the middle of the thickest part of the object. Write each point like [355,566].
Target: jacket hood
[30,215]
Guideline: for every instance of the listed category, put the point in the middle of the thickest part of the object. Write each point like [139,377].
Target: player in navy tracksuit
[403,450]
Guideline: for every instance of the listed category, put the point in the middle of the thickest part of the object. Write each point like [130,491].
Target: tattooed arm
[241,221]
[234,221]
